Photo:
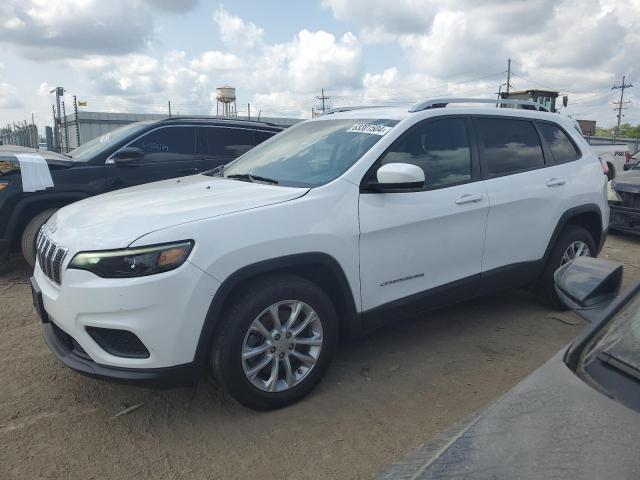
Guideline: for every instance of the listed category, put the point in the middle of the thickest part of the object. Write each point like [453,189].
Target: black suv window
[440,148]
[561,146]
[509,145]
[226,142]
[167,144]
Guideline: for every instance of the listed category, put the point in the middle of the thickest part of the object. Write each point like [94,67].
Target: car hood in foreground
[552,425]
[116,219]
[627,182]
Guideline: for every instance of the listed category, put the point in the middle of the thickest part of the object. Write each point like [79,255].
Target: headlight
[612,195]
[133,262]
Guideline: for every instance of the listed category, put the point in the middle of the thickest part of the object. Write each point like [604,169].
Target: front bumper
[624,219]
[165,311]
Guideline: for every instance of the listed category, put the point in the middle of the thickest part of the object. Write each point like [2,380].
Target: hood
[9,163]
[116,219]
[628,181]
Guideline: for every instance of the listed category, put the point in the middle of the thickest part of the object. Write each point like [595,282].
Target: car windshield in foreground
[309,154]
[88,150]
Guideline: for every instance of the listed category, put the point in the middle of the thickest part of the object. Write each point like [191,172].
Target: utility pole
[75,111]
[66,129]
[248,111]
[323,97]
[169,103]
[508,75]
[622,86]
[57,118]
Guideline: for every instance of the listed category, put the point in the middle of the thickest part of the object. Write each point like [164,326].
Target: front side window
[226,142]
[106,141]
[167,144]
[440,148]
[310,154]
[509,146]
[562,148]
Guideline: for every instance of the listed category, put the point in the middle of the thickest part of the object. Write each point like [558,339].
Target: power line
[622,86]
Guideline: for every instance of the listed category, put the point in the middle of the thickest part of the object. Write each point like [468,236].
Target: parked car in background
[575,418]
[336,226]
[624,201]
[613,157]
[134,154]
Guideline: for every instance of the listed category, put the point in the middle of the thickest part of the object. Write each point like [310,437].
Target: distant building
[546,98]
[588,127]
[94,124]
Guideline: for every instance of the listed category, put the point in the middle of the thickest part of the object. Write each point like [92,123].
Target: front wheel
[30,233]
[573,242]
[276,342]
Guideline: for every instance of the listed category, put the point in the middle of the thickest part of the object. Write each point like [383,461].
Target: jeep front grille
[50,256]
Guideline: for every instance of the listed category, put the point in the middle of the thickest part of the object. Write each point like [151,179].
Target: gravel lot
[383,396]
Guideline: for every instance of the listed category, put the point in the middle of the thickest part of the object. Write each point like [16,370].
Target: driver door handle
[469,198]
[556,182]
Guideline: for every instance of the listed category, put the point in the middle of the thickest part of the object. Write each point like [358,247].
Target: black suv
[137,153]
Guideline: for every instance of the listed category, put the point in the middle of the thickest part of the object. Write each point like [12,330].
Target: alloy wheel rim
[574,250]
[281,346]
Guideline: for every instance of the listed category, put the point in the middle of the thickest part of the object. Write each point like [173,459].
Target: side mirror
[394,177]
[588,282]
[126,155]
[628,166]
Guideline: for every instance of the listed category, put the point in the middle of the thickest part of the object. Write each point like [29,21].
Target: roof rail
[443,102]
[348,109]
[214,118]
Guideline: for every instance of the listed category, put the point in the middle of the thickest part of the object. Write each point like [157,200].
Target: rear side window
[561,146]
[226,142]
[509,146]
[440,148]
[167,144]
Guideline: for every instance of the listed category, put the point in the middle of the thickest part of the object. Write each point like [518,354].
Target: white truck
[613,157]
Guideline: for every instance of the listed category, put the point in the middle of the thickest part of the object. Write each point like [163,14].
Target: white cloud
[236,32]
[9,94]
[44,29]
[213,61]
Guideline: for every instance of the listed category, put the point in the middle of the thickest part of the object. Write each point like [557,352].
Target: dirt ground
[383,396]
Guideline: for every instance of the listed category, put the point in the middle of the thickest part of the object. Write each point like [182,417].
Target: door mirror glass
[127,155]
[588,282]
[399,176]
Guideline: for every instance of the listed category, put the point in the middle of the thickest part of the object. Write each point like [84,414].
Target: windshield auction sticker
[369,128]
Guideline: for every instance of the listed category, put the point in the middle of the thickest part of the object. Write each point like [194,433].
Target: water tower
[227,97]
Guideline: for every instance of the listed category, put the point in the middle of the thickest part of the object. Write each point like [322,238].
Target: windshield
[309,154]
[88,150]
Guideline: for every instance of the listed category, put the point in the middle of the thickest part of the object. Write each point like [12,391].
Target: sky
[136,55]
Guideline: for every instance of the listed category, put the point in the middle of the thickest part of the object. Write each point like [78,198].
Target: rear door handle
[556,182]
[469,198]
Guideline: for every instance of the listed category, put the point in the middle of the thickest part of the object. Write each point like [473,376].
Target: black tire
[611,174]
[30,233]
[546,284]
[246,306]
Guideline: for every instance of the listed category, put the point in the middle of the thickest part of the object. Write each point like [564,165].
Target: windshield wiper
[252,178]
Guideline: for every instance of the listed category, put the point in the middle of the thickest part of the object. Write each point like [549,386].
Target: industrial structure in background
[21,134]
[226,96]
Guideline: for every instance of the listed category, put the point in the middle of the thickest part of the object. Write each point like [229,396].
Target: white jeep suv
[333,227]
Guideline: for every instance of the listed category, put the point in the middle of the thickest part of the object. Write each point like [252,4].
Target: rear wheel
[30,233]
[573,242]
[276,343]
